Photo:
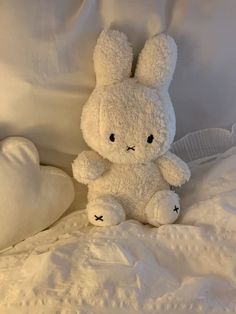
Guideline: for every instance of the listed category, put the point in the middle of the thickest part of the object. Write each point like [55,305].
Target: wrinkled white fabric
[46,68]
[204,85]
[184,268]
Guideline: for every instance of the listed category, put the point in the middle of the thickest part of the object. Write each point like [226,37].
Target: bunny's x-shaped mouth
[130,148]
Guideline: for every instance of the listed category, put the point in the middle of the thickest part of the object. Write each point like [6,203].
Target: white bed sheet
[189,267]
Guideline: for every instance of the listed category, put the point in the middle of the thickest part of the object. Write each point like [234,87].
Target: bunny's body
[132,186]
[130,124]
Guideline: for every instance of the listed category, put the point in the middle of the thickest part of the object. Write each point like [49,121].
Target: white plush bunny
[130,125]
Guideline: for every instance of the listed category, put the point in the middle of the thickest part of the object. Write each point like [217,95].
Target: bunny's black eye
[150,139]
[112,137]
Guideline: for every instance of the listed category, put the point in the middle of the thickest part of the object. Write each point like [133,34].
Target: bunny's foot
[105,211]
[163,208]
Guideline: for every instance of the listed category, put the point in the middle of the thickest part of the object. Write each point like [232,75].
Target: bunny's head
[130,120]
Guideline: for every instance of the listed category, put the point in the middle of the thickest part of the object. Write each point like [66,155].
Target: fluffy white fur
[130,125]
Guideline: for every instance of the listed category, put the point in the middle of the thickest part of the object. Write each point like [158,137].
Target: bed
[188,267]
[73,267]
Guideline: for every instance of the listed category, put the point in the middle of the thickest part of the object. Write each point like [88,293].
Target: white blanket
[189,267]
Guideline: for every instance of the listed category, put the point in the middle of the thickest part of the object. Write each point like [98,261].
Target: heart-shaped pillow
[32,197]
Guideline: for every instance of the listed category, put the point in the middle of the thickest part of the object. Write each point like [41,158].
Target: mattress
[188,267]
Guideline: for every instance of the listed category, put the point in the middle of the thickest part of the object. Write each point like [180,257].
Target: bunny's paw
[163,208]
[105,211]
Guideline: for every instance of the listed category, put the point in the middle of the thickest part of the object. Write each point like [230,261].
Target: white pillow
[31,197]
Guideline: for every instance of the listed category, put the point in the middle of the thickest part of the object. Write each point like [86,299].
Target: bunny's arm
[88,166]
[174,170]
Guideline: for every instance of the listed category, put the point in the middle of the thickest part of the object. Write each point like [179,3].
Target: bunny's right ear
[156,62]
[113,58]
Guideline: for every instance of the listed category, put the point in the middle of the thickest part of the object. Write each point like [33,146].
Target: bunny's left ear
[113,56]
[156,62]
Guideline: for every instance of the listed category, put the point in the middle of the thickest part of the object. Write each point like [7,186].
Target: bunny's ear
[156,62]
[113,57]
